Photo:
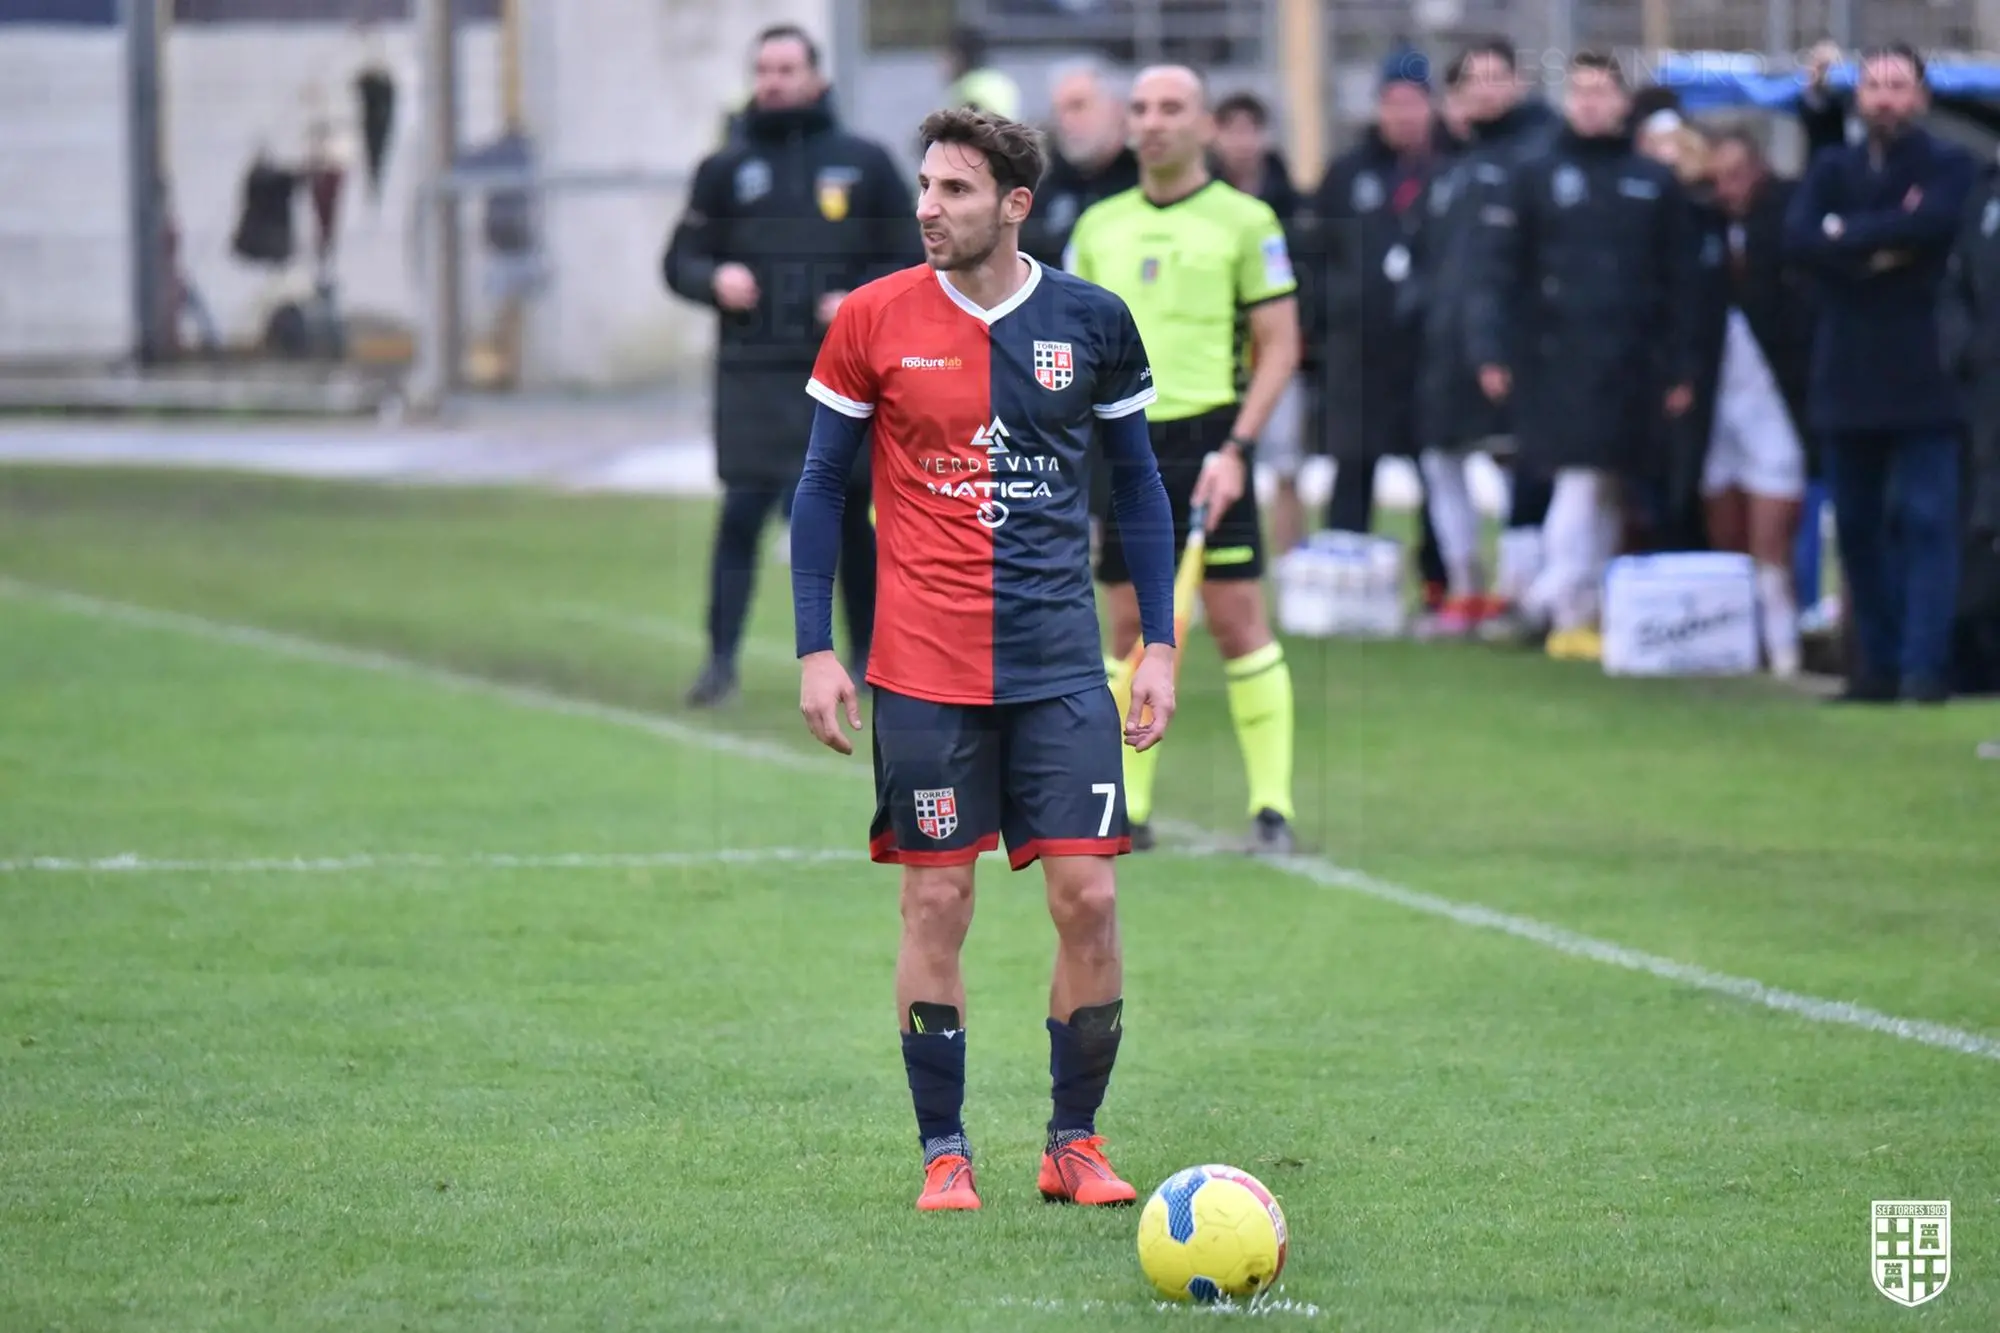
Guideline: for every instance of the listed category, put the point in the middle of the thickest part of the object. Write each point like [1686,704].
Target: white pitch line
[1312,869]
[662,630]
[131,863]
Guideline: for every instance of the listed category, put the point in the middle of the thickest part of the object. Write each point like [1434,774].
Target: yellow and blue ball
[1211,1233]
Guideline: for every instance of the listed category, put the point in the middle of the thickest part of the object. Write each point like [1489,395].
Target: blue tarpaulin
[1723,81]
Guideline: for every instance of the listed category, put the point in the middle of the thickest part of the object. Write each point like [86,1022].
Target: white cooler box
[1691,613]
[1341,584]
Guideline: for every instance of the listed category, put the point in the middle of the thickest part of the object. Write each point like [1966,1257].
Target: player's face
[1738,173]
[1491,87]
[1239,142]
[1596,104]
[785,77]
[960,209]
[1403,112]
[1171,125]
[1890,96]
[1090,124]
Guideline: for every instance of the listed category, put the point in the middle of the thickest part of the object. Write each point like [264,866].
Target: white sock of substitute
[1780,615]
[1454,518]
[1565,592]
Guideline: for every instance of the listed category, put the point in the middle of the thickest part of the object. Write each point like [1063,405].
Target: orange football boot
[948,1185]
[1078,1173]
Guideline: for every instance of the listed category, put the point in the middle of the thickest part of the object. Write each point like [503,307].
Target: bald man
[1198,262]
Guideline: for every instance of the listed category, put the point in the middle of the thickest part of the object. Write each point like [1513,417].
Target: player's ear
[1014,208]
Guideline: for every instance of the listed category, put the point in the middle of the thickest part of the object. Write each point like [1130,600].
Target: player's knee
[1083,896]
[937,901]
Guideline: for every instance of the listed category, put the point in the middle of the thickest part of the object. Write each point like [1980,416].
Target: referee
[1201,264]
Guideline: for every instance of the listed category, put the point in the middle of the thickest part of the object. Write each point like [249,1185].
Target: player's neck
[1173,184]
[994,280]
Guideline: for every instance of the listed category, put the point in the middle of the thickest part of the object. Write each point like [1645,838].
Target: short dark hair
[1743,137]
[1244,104]
[1603,62]
[1014,151]
[1898,51]
[790,32]
[1498,47]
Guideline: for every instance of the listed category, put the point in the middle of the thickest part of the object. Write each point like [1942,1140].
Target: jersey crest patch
[1055,365]
[1277,261]
[937,812]
[833,188]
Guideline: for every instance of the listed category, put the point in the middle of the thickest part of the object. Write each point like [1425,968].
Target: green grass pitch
[455,978]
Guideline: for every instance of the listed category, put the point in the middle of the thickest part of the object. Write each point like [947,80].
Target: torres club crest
[1055,365]
[1911,1249]
[937,812]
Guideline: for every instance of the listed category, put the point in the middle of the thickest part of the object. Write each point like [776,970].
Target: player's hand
[1219,486]
[1679,399]
[735,287]
[1495,383]
[1152,698]
[829,306]
[825,692]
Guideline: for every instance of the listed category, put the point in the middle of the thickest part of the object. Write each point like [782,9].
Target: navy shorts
[952,779]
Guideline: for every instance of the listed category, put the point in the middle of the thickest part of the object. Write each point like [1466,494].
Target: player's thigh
[938,780]
[1064,792]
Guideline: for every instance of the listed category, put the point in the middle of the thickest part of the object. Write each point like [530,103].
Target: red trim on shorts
[1025,855]
[883,849]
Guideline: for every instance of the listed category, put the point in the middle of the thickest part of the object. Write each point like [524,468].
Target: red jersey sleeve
[844,376]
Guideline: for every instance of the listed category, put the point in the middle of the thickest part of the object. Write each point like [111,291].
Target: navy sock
[1081,1053]
[934,1059]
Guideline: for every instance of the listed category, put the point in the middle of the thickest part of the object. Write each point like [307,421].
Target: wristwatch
[1241,445]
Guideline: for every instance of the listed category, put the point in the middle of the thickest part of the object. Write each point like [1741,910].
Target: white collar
[1006,307]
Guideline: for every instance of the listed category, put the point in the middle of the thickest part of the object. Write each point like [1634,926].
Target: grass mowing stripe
[1309,868]
[660,629]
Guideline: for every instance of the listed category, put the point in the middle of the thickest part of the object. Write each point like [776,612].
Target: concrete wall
[65,265]
[636,85]
[237,88]
[64,206]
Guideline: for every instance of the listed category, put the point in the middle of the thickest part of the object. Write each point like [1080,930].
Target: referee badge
[1055,365]
[1149,270]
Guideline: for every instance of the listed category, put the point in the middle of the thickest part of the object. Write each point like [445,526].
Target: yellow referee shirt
[1187,270]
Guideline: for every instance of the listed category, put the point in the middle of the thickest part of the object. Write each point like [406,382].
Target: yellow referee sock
[1260,704]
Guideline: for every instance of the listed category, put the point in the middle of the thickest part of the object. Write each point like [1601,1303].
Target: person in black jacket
[1091,161]
[779,227]
[1579,319]
[1364,320]
[1453,416]
[1971,330]
[1756,468]
[1876,221]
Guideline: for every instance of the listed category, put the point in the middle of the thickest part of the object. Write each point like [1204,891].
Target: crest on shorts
[1055,365]
[1911,1248]
[937,812]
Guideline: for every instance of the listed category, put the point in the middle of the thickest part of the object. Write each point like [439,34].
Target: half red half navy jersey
[983,427]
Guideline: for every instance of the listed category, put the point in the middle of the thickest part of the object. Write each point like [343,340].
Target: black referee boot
[715,686]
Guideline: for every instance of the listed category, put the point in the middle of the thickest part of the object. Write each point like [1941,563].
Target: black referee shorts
[1236,546]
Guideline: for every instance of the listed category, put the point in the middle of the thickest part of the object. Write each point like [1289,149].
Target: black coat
[1971,334]
[1067,190]
[1582,286]
[809,209]
[1451,411]
[1361,316]
[1876,360]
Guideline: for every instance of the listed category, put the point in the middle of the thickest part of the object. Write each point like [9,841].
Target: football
[1210,1233]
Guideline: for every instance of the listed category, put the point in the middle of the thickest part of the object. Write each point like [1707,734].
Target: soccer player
[985,377]
[1197,260]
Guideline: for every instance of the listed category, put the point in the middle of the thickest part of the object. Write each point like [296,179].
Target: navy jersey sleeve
[1124,374]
